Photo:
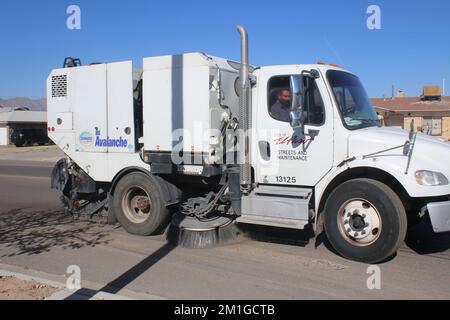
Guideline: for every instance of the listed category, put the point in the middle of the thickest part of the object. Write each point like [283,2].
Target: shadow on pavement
[30,232]
[278,235]
[422,239]
[127,277]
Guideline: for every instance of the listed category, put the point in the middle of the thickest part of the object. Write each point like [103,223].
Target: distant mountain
[34,105]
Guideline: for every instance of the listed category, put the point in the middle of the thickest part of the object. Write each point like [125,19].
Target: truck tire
[365,220]
[138,205]
[111,218]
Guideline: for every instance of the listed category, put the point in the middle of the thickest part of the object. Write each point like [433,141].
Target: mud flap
[60,175]
[318,229]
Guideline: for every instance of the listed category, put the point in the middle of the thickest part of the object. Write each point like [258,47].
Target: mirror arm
[314,74]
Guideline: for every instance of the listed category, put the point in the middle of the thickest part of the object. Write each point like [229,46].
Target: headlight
[431,178]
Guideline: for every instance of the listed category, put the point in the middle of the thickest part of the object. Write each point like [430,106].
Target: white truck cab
[207,143]
[342,134]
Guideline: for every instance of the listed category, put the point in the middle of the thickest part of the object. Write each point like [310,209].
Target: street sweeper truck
[196,145]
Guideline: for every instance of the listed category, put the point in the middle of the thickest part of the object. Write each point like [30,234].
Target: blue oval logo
[86,139]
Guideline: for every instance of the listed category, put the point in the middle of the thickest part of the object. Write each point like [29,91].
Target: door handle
[264,150]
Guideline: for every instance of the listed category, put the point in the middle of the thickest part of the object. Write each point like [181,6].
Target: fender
[171,194]
[394,167]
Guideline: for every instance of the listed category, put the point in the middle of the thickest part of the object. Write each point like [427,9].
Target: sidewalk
[24,284]
[38,154]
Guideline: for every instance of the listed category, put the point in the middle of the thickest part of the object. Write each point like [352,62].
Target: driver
[281,109]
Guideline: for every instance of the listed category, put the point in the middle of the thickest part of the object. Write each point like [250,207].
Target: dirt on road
[12,288]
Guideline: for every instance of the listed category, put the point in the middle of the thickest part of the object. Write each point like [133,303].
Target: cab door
[282,155]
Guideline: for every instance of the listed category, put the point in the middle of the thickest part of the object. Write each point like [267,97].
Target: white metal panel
[187,60]
[105,166]
[89,108]
[64,121]
[176,96]
[119,161]
[86,102]
[121,131]
[65,141]
[95,164]
[196,109]
[157,110]
[59,105]
[62,106]
[4,137]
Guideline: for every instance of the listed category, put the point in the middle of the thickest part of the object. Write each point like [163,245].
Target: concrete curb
[63,293]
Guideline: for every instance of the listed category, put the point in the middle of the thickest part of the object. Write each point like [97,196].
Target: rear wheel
[111,217]
[365,220]
[138,205]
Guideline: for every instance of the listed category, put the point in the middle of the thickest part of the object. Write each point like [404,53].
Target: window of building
[280,101]
[432,126]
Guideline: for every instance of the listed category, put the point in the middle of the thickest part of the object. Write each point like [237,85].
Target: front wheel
[365,220]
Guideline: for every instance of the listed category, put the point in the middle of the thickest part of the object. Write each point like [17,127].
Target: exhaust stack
[244,113]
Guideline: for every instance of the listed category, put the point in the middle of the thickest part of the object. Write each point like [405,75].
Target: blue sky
[411,50]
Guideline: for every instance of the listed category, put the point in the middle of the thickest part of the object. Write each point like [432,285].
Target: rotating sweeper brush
[203,222]
[189,232]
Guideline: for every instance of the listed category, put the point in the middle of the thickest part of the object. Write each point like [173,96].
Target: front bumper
[439,213]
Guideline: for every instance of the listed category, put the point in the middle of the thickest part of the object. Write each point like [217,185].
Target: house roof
[23,116]
[414,104]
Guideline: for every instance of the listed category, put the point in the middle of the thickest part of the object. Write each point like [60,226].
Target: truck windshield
[352,99]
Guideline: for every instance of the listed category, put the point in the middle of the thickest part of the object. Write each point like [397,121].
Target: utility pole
[443,87]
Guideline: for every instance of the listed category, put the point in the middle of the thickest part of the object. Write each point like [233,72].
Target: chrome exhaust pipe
[244,55]
[244,113]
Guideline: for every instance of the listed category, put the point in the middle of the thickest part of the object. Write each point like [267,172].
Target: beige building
[431,114]
[10,120]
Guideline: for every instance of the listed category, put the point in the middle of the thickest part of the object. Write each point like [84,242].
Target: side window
[279,98]
[279,101]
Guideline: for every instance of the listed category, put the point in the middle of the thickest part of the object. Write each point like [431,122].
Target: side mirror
[297,90]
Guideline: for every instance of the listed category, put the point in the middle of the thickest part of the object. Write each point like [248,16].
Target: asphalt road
[26,184]
[267,264]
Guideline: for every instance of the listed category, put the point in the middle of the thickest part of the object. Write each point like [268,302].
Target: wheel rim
[136,205]
[359,222]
